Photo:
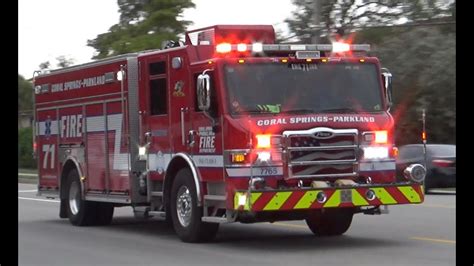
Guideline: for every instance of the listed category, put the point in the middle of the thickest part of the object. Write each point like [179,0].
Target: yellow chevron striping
[384,196]
[334,200]
[357,199]
[278,199]
[308,198]
[410,194]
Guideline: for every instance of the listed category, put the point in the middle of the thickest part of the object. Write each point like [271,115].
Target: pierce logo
[323,135]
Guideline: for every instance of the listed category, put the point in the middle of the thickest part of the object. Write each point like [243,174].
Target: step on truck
[227,126]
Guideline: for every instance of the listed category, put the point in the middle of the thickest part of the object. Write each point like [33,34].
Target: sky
[51,28]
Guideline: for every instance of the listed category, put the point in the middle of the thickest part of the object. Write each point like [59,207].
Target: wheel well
[68,166]
[176,165]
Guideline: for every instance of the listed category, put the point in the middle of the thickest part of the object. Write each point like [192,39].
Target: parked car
[440,163]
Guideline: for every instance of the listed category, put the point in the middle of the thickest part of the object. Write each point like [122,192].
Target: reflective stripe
[410,194]
[357,199]
[253,197]
[277,200]
[384,196]
[334,200]
[308,198]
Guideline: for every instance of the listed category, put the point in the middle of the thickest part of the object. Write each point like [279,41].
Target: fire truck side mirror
[387,80]
[204,92]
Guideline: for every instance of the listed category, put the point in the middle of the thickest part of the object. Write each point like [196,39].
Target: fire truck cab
[226,127]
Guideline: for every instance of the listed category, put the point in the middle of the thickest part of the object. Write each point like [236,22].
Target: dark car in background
[440,163]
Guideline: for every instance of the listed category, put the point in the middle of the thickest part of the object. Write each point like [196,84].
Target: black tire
[104,213]
[79,212]
[330,222]
[190,228]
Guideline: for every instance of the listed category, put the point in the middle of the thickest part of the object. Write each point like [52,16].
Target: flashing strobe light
[257,47]
[263,141]
[223,48]
[372,153]
[340,47]
[241,47]
[381,137]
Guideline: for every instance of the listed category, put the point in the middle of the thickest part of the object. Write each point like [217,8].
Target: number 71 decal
[48,149]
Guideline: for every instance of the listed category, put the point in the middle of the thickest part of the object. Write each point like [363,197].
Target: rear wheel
[185,214]
[81,212]
[330,222]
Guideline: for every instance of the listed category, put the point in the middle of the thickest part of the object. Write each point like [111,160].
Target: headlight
[371,153]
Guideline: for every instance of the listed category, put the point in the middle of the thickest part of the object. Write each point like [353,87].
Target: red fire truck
[227,126]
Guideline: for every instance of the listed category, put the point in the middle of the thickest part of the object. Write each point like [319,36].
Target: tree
[422,61]
[64,62]
[350,15]
[25,94]
[144,24]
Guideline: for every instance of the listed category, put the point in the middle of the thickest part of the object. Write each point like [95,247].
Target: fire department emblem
[47,127]
[178,89]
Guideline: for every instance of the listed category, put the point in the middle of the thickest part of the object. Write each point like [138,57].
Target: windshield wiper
[339,110]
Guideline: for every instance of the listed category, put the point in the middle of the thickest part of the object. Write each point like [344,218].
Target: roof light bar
[258,47]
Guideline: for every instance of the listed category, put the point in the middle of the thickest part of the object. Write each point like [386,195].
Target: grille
[321,152]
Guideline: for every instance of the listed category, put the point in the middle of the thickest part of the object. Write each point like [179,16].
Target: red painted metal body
[85,115]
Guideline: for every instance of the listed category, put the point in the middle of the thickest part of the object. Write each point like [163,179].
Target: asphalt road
[408,235]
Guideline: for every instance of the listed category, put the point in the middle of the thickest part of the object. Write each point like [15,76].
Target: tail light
[443,163]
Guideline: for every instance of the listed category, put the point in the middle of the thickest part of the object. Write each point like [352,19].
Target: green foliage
[25,94]
[143,25]
[422,61]
[25,148]
[352,15]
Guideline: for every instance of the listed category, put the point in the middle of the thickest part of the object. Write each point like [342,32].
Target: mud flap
[62,209]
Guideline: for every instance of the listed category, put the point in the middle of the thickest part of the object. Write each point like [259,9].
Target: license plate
[346,195]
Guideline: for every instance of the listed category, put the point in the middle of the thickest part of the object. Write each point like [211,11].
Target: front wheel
[185,214]
[330,222]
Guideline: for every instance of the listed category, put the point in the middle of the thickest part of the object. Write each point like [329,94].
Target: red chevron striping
[292,200]
[262,201]
[417,188]
[397,195]
[374,202]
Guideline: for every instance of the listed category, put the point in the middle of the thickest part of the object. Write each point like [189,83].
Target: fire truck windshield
[303,88]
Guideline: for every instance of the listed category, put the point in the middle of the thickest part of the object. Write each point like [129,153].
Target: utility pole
[317,20]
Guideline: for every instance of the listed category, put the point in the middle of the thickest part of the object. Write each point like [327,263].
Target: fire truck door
[164,111]
[155,112]
[206,131]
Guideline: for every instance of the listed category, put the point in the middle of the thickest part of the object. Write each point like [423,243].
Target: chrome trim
[195,173]
[321,147]
[183,137]
[300,163]
[108,198]
[310,133]
[106,139]
[305,133]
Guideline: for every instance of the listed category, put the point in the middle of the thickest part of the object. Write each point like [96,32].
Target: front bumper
[301,199]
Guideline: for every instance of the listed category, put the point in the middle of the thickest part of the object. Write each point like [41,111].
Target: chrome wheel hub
[184,206]
[74,197]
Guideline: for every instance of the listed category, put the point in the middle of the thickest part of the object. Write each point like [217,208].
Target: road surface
[408,235]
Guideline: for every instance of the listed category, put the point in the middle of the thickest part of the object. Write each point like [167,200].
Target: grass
[27,178]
